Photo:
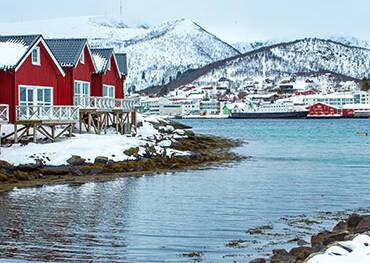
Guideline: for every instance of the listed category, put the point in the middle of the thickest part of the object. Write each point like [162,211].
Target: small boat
[277,110]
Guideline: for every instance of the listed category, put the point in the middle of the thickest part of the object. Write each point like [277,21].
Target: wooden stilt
[34,133]
[15,133]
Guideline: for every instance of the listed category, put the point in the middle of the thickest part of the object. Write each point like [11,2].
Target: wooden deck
[95,114]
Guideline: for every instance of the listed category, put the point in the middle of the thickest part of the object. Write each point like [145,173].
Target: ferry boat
[277,110]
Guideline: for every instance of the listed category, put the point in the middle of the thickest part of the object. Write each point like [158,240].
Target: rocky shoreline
[345,230]
[205,151]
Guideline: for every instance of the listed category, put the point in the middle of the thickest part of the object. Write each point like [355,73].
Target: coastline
[348,240]
[205,151]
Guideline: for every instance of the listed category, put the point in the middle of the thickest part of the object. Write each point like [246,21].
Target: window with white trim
[35,96]
[108,91]
[82,58]
[81,88]
[36,56]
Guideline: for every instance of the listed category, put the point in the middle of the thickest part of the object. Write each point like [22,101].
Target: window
[108,91]
[35,96]
[109,62]
[36,56]
[82,88]
[82,58]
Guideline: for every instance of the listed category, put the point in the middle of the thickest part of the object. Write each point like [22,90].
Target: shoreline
[326,245]
[206,151]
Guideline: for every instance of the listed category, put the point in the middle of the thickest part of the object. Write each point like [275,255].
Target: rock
[55,170]
[258,260]
[353,220]
[101,159]
[78,172]
[301,253]
[325,238]
[302,242]
[341,226]
[76,160]
[5,165]
[30,167]
[282,256]
[134,152]
[363,225]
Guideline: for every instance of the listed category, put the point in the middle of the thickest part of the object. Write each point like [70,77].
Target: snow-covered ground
[90,146]
[354,251]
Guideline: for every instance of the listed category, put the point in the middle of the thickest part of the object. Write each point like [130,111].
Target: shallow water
[298,169]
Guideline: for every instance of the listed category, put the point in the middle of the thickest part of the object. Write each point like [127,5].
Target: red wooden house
[322,110]
[107,81]
[75,56]
[29,76]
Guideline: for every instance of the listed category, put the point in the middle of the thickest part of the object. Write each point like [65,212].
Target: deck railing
[104,103]
[47,113]
[4,113]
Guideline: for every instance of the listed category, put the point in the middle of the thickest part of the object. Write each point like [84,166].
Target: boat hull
[269,115]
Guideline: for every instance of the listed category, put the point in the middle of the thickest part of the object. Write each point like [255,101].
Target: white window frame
[82,57]
[111,89]
[36,62]
[81,93]
[35,101]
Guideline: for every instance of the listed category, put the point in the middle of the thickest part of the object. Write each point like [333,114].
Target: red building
[305,92]
[108,81]
[29,74]
[75,57]
[322,110]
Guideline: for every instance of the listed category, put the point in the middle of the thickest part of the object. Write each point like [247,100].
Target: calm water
[298,168]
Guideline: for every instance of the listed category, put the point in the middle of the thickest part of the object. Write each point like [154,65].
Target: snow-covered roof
[11,52]
[14,48]
[100,62]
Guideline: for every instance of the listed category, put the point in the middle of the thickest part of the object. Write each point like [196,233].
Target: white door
[35,101]
[82,93]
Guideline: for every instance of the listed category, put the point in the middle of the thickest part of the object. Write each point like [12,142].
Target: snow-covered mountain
[156,54]
[244,47]
[310,55]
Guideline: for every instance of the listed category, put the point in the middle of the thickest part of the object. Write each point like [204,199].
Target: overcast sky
[232,20]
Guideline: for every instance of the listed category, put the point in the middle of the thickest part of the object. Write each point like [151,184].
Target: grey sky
[232,20]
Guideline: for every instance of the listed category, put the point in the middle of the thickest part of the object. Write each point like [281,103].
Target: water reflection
[298,171]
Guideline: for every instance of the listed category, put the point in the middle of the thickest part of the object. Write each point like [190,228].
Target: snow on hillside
[156,54]
[306,55]
[244,47]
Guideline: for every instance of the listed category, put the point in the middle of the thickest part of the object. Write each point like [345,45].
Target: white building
[334,99]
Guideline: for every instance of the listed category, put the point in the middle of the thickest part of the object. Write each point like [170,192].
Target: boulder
[76,160]
[101,160]
[325,238]
[282,256]
[5,165]
[134,152]
[301,253]
[353,220]
[341,226]
[363,225]
[30,167]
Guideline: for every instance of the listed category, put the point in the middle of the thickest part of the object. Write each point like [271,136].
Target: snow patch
[10,53]
[357,250]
